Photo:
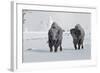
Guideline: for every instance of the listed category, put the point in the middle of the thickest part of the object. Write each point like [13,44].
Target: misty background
[41,20]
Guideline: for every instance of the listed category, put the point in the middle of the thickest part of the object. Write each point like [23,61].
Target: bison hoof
[51,50]
[55,50]
[78,48]
[60,49]
[75,48]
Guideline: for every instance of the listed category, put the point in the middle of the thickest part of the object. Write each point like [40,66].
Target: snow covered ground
[37,50]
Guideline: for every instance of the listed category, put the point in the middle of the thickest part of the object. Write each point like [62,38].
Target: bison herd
[55,36]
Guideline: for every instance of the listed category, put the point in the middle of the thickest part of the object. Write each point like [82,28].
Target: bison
[55,35]
[77,34]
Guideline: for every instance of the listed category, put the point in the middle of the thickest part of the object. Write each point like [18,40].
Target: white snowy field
[37,50]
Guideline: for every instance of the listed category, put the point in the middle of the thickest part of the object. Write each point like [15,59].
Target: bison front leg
[57,44]
[51,50]
[51,47]
[78,46]
[75,44]
[55,48]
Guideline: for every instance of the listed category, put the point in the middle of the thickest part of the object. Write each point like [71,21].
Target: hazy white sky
[40,20]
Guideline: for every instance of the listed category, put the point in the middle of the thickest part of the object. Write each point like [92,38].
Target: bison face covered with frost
[77,34]
[55,34]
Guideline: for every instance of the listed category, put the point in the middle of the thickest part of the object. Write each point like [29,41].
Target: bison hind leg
[60,48]
[60,45]
[80,43]
[51,50]
[82,46]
